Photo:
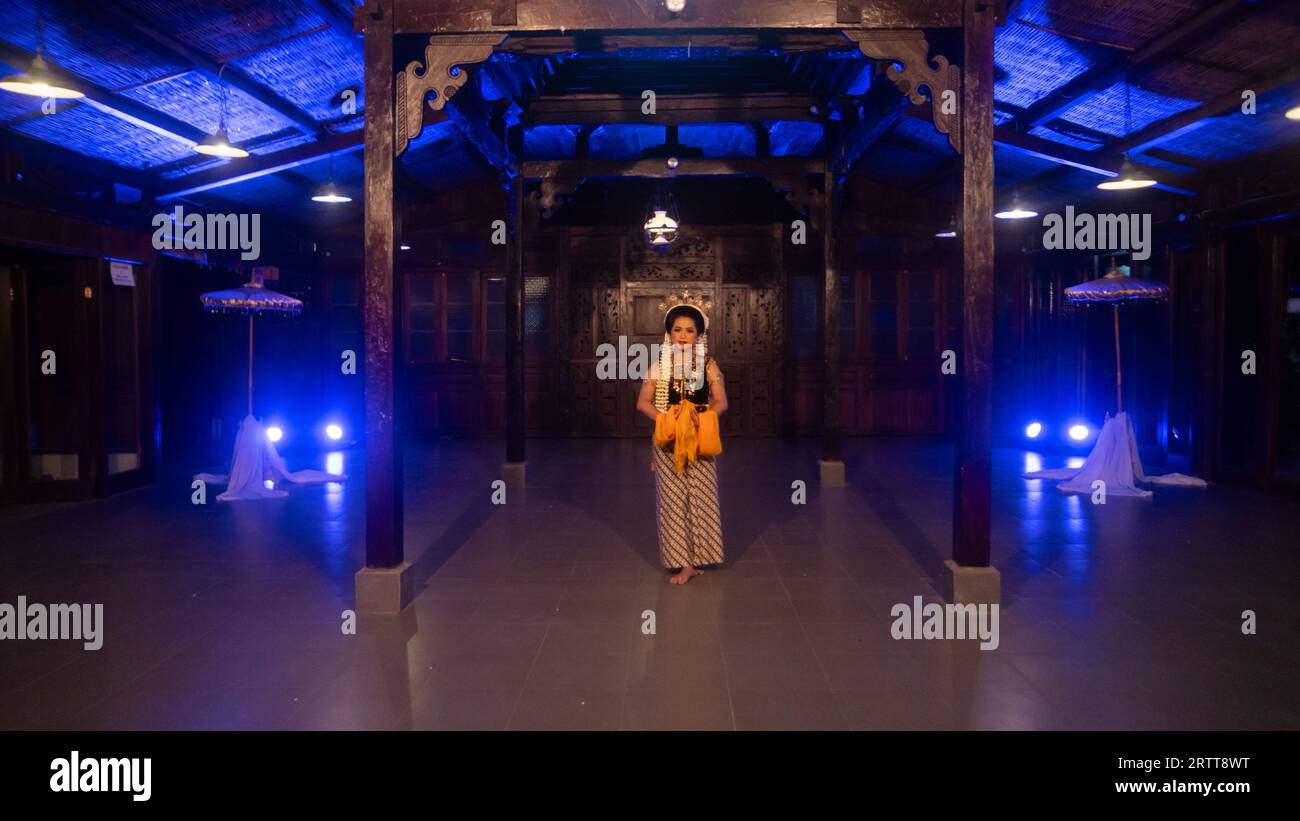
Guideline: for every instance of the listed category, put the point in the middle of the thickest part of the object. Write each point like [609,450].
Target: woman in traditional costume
[684,395]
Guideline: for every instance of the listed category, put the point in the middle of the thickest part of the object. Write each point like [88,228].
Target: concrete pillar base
[513,473]
[971,585]
[832,472]
[384,589]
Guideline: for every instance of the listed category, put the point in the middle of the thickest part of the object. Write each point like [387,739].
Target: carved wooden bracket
[909,48]
[443,54]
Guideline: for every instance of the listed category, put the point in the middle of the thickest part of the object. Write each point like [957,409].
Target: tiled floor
[530,614]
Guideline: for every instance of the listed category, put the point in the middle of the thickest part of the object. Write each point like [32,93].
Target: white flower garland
[693,371]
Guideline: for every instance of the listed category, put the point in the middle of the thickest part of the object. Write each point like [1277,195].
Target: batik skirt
[686,506]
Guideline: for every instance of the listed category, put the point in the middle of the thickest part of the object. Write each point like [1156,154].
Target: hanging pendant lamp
[1129,175]
[328,192]
[1017,211]
[218,145]
[662,221]
[39,81]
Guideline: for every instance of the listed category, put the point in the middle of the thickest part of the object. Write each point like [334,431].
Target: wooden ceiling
[292,78]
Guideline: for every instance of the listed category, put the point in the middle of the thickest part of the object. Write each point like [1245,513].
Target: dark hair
[687,311]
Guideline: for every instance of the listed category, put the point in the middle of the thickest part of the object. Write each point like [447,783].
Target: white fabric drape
[254,462]
[1114,460]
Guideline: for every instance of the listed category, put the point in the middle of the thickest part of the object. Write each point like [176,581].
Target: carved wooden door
[619,307]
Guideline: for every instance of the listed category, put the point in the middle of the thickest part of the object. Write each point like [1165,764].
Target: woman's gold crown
[698,302]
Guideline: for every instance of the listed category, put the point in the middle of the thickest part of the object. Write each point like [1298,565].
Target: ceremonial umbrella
[1115,288]
[1114,463]
[254,299]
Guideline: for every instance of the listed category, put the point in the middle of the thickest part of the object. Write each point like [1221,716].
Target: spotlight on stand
[1033,430]
[1079,432]
[334,432]
[274,433]
[334,463]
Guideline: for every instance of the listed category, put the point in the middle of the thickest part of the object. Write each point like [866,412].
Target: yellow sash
[675,426]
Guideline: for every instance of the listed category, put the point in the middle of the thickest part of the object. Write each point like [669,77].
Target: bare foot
[684,575]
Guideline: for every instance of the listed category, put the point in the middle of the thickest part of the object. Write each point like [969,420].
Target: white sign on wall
[122,273]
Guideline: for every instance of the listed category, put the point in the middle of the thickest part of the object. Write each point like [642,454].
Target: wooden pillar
[380,299]
[832,468]
[1271,353]
[514,467]
[972,496]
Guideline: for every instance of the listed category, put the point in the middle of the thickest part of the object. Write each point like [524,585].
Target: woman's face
[684,331]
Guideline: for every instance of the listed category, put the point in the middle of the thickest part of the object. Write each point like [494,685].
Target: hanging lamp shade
[662,222]
[1129,175]
[329,193]
[39,81]
[1129,178]
[218,145]
[660,229]
[1017,211]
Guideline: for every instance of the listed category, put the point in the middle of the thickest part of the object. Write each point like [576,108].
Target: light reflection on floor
[1120,615]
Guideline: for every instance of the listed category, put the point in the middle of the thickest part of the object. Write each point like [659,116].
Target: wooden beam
[657,168]
[789,42]
[340,22]
[1229,103]
[1141,63]
[473,16]
[1105,165]
[31,151]
[381,299]
[115,105]
[1102,163]
[1178,159]
[882,111]
[599,109]
[126,23]
[973,444]
[238,171]
[472,115]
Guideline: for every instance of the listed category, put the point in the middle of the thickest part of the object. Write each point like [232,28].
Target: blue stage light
[1033,429]
[334,432]
[274,433]
[1078,432]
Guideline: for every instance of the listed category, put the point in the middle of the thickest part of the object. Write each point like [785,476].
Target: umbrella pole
[1119,396]
[250,364]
